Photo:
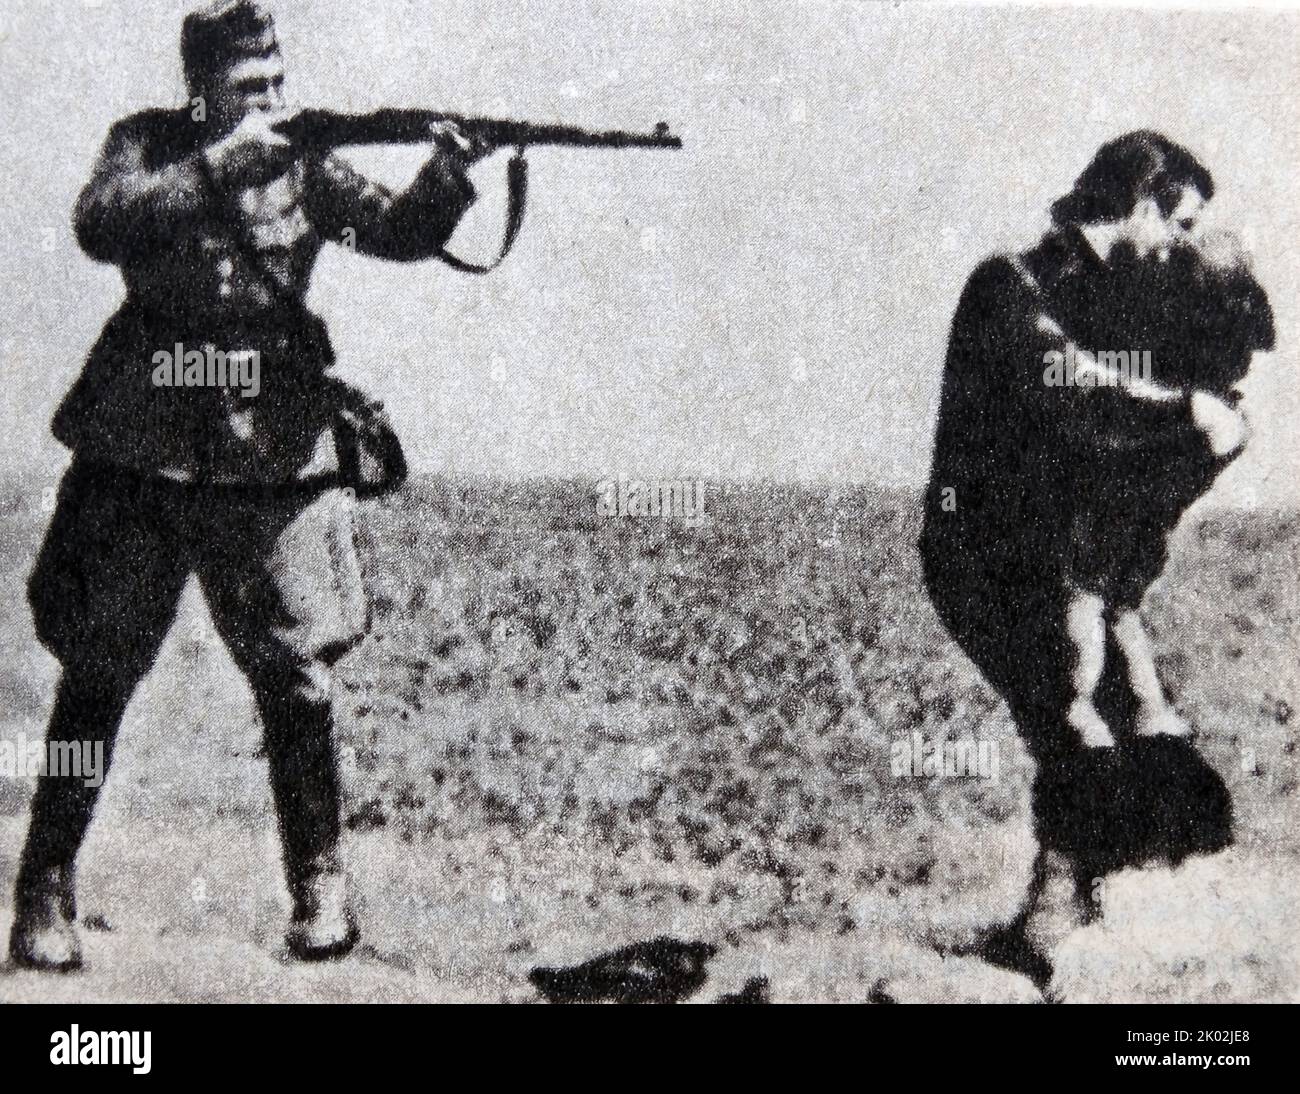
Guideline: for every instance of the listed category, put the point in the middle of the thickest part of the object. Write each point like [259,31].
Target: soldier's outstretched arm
[141,196]
[403,227]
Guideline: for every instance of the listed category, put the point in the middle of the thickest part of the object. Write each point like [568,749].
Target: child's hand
[1223,425]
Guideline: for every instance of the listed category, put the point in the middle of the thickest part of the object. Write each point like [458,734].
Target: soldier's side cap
[225,32]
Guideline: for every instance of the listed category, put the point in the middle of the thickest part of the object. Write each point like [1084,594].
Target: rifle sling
[517,195]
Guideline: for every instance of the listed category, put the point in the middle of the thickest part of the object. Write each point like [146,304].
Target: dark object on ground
[1151,798]
[1009,948]
[754,991]
[878,994]
[663,970]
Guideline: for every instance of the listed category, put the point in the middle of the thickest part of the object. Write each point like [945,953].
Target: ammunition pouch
[369,452]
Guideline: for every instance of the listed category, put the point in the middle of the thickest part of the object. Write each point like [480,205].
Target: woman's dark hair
[1125,170]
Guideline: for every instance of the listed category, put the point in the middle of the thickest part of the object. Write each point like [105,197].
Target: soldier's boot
[324,924]
[44,934]
[305,786]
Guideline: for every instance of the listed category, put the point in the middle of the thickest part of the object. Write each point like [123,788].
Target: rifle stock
[325,129]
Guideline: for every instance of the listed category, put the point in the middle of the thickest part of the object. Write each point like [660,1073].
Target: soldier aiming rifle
[216,224]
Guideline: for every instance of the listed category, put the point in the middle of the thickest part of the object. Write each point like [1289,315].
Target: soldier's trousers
[281,577]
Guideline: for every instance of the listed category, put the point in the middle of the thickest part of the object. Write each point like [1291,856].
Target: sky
[773,301]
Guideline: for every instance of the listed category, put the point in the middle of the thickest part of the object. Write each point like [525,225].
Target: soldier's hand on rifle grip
[252,153]
[454,140]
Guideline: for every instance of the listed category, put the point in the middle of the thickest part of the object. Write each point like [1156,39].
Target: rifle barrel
[330,129]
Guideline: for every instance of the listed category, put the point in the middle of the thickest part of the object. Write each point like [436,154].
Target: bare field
[567,732]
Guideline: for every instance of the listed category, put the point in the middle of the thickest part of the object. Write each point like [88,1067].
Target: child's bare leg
[1154,715]
[1086,626]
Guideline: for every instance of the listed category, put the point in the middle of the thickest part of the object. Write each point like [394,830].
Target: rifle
[322,130]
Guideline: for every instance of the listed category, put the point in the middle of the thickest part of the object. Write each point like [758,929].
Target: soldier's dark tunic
[170,481]
[202,269]
[199,268]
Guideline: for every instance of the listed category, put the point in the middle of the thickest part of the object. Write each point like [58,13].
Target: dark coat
[1018,452]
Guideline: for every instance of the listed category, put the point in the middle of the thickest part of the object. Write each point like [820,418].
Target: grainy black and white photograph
[579,502]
